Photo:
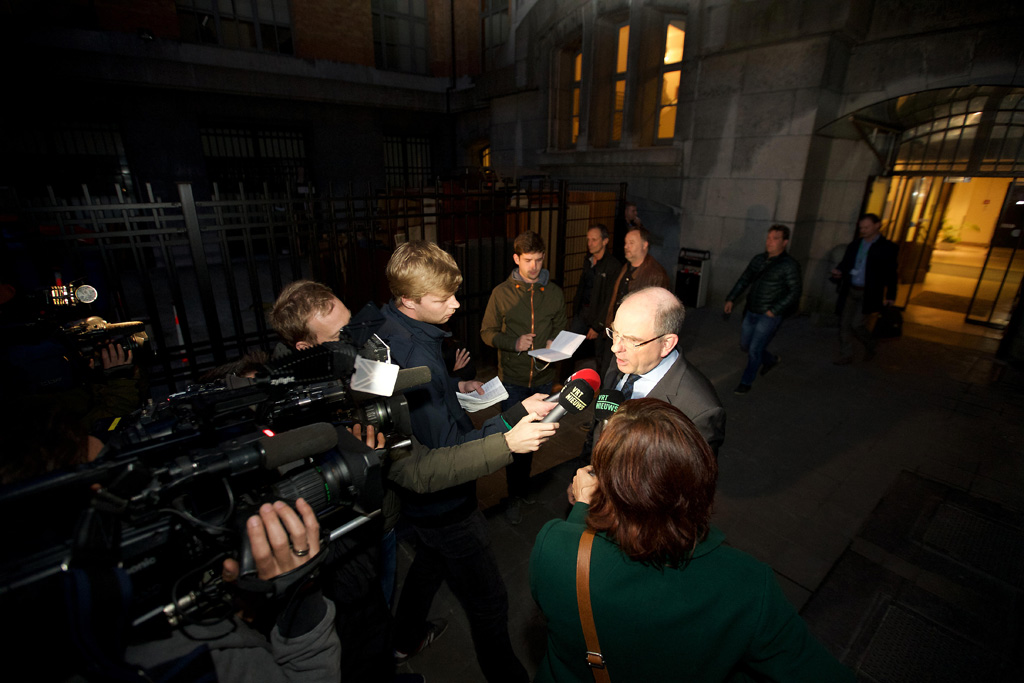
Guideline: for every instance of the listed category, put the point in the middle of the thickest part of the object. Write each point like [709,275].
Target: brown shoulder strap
[595,660]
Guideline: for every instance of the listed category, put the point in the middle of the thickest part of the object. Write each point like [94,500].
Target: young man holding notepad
[525,312]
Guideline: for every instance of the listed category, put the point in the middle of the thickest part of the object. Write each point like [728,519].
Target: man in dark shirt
[451,533]
[590,305]
[867,284]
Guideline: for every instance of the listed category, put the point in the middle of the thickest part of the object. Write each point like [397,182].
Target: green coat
[426,470]
[721,618]
[517,308]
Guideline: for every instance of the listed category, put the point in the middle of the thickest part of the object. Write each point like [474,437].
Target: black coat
[879,273]
[775,284]
[600,278]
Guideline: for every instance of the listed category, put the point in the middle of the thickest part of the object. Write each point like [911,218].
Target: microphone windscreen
[607,404]
[411,377]
[588,375]
[296,444]
[575,397]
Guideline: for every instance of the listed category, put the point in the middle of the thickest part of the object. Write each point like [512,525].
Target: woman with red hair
[670,600]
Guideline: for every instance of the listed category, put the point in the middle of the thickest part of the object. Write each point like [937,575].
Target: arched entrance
[952,197]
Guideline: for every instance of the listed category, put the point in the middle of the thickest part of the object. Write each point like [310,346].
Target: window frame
[382,18]
[211,22]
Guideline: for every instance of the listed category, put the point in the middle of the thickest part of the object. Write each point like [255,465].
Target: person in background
[867,283]
[525,312]
[773,278]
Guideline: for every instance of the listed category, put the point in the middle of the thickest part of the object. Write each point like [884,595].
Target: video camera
[46,332]
[167,499]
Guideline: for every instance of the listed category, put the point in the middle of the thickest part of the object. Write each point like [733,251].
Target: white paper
[564,345]
[494,391]
[372,377]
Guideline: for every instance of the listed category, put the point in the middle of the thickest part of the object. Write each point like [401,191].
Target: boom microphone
[575,397]
[607,404]
[588,375]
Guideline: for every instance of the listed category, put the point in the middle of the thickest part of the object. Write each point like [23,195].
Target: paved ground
[888,496]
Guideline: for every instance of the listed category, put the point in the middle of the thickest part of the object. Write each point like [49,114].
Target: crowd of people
[636,583]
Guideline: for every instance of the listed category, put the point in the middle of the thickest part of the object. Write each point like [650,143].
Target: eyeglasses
[626,341]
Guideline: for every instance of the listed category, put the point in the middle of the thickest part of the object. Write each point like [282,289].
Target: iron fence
[202,274]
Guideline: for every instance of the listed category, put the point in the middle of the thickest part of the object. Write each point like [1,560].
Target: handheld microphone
[575,397]
[607,404]
[588,375]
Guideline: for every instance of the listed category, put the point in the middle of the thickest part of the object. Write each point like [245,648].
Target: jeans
[460,554]
[517,473]
[758,330]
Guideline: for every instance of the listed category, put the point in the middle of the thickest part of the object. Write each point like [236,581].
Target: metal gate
[203,274]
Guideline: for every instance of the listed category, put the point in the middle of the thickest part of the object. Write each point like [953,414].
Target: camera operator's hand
[528,435]
[114,356]
[372,440]
[537,404]
[280,540]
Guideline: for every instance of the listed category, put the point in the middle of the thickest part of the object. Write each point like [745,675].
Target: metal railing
[202,274]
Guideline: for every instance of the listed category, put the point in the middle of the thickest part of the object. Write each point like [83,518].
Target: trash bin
[692,276]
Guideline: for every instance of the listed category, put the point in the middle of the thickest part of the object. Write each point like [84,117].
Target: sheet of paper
[563,346]
[494,391]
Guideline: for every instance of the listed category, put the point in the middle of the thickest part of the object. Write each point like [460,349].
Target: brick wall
[333,30]
[157,16]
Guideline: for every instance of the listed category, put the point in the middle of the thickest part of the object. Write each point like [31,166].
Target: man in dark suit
[645,334]
[867,284]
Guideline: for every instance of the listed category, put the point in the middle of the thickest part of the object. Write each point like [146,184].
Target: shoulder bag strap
[595,660]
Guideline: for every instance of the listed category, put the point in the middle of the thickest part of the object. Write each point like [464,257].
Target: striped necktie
[627,387]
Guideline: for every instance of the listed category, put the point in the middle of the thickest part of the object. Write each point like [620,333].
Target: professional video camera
[54,335]
[90,336]
[166,501]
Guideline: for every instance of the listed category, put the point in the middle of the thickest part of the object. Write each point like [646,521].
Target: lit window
[668,100]
[619,103]
[577,80]
[485,156]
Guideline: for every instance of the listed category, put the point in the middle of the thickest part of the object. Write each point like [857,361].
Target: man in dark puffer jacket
[775,285]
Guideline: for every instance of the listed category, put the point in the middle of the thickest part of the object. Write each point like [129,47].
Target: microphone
[297,444]
[576,396]
[607,404]
[588,375]
[411,377]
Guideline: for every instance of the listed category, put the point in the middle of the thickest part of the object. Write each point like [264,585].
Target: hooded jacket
[516,308]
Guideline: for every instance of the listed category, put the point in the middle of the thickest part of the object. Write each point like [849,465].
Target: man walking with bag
[867,284]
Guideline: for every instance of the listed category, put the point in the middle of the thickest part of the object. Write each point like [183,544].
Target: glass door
[992,301]
[912,219]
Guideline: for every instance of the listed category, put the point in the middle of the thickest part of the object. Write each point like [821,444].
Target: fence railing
[202,274]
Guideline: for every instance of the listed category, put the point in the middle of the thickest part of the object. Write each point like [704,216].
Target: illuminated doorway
[961,256]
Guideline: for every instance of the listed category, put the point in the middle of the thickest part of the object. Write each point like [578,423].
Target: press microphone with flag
[574,398]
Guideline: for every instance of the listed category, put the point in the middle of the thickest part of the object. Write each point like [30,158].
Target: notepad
[564,345]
